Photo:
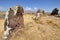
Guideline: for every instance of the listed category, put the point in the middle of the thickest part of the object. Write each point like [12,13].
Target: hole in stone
[16,25]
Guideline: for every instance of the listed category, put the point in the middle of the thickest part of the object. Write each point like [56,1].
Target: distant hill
[2,14]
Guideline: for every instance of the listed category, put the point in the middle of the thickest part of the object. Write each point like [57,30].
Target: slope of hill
[2,14]
[45,28]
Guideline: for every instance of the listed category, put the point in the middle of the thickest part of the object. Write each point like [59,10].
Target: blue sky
[46,5]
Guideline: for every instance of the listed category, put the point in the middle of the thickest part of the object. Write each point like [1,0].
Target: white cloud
[35,8]
[1,7]
[28,8]
[31,9]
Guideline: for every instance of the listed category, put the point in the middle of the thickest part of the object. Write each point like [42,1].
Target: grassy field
[45,28]
[1,27]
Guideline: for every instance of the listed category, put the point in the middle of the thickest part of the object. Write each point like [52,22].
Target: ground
[1,27]
[45,28]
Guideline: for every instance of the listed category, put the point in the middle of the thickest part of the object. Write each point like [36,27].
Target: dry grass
[1,27]
[46,28]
